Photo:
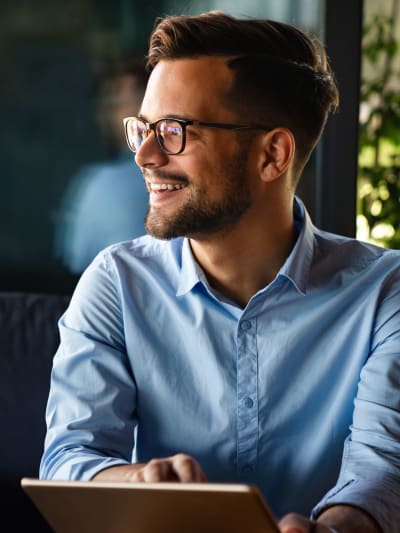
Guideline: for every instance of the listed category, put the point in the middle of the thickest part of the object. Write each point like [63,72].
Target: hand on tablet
[178,467]
[294,523]
[335,519]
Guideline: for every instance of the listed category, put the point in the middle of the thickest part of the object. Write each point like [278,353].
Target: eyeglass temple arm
[227,126]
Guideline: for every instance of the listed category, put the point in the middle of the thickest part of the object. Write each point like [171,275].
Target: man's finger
[187,469]
[294,523]
[158,470]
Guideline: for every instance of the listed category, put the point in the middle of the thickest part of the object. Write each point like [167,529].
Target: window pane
[378,209]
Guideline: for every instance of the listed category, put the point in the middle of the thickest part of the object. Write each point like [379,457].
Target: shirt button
[245,325]
[247,469]
[248,402]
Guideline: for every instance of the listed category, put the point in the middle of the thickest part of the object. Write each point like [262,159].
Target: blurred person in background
[105,202]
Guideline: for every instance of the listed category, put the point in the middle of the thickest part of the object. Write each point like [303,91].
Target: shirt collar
[191,273]
[296,267]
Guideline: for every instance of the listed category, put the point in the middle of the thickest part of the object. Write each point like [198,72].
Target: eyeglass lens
[136,133]
[169,134]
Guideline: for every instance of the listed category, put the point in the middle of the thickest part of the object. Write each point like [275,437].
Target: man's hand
[335,519]
[178,467]
[294,523]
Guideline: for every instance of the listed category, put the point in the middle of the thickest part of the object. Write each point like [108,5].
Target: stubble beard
[200,216]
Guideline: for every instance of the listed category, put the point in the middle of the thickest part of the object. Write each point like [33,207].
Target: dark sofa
[28,341]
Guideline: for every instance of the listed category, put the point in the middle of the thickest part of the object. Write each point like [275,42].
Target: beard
[200,215]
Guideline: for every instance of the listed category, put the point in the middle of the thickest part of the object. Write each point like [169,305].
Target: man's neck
[241,261]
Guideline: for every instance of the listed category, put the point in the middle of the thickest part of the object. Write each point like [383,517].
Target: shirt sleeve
[370,472]
[91,409]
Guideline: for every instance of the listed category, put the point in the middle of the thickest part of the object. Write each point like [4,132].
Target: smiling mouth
[157,187]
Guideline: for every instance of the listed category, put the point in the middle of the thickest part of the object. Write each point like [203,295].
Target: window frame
[335,194]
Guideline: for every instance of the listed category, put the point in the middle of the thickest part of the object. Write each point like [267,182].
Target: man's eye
[174,131]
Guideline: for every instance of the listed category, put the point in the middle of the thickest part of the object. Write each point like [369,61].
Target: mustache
[162,174]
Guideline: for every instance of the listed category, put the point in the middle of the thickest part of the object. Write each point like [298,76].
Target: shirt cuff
[82,470]
[381,501]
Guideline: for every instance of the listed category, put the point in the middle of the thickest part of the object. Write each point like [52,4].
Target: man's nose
[150,154]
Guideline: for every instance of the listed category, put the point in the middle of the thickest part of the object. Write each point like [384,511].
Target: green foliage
[379,161]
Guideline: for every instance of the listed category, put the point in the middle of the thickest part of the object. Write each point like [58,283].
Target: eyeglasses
[170,133]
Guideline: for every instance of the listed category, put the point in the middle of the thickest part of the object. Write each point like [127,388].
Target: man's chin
[162,235]
[160,231]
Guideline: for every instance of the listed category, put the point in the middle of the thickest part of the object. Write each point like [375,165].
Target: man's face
[208,182]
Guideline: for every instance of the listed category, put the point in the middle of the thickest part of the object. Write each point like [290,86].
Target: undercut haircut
[282,77]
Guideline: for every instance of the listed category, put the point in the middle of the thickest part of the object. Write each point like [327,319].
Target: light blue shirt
[298,393]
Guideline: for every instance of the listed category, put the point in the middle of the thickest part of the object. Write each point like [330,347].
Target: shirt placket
[247,397]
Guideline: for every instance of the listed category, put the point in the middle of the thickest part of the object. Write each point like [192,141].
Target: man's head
[282,77]
[205,178]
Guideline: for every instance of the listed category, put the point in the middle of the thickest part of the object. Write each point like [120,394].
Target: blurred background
[67,187]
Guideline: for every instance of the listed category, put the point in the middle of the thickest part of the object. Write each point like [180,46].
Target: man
[237,342]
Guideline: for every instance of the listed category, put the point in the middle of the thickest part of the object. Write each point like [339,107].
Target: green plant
[378,207]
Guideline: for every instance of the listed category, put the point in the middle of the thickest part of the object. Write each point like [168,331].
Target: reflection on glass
[105,202]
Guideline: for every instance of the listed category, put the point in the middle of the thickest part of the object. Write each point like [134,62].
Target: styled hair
[282,76]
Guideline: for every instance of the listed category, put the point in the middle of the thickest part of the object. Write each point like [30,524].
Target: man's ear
[277,153]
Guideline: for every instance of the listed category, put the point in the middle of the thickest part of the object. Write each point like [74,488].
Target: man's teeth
[165,186]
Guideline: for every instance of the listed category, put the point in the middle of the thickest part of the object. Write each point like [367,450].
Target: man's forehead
[187,84]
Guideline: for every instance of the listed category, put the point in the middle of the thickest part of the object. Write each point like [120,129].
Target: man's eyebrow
[182,117]
[168,116]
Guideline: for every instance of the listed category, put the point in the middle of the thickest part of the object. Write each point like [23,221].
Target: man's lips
[161,191]
[161,182]
[160,176]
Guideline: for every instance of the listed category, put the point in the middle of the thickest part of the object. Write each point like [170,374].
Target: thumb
[295,523]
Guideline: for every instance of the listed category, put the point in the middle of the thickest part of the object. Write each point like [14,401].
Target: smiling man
[236,342]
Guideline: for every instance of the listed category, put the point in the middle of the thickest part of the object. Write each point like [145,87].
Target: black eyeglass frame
[152,126]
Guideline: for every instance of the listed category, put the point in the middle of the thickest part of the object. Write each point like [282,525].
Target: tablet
[108,507]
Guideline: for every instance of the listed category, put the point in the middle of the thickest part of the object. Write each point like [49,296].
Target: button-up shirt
[297,393]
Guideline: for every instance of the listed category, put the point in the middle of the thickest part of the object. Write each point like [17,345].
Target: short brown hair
[282,76]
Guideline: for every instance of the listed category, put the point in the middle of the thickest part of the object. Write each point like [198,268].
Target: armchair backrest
[28,340]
